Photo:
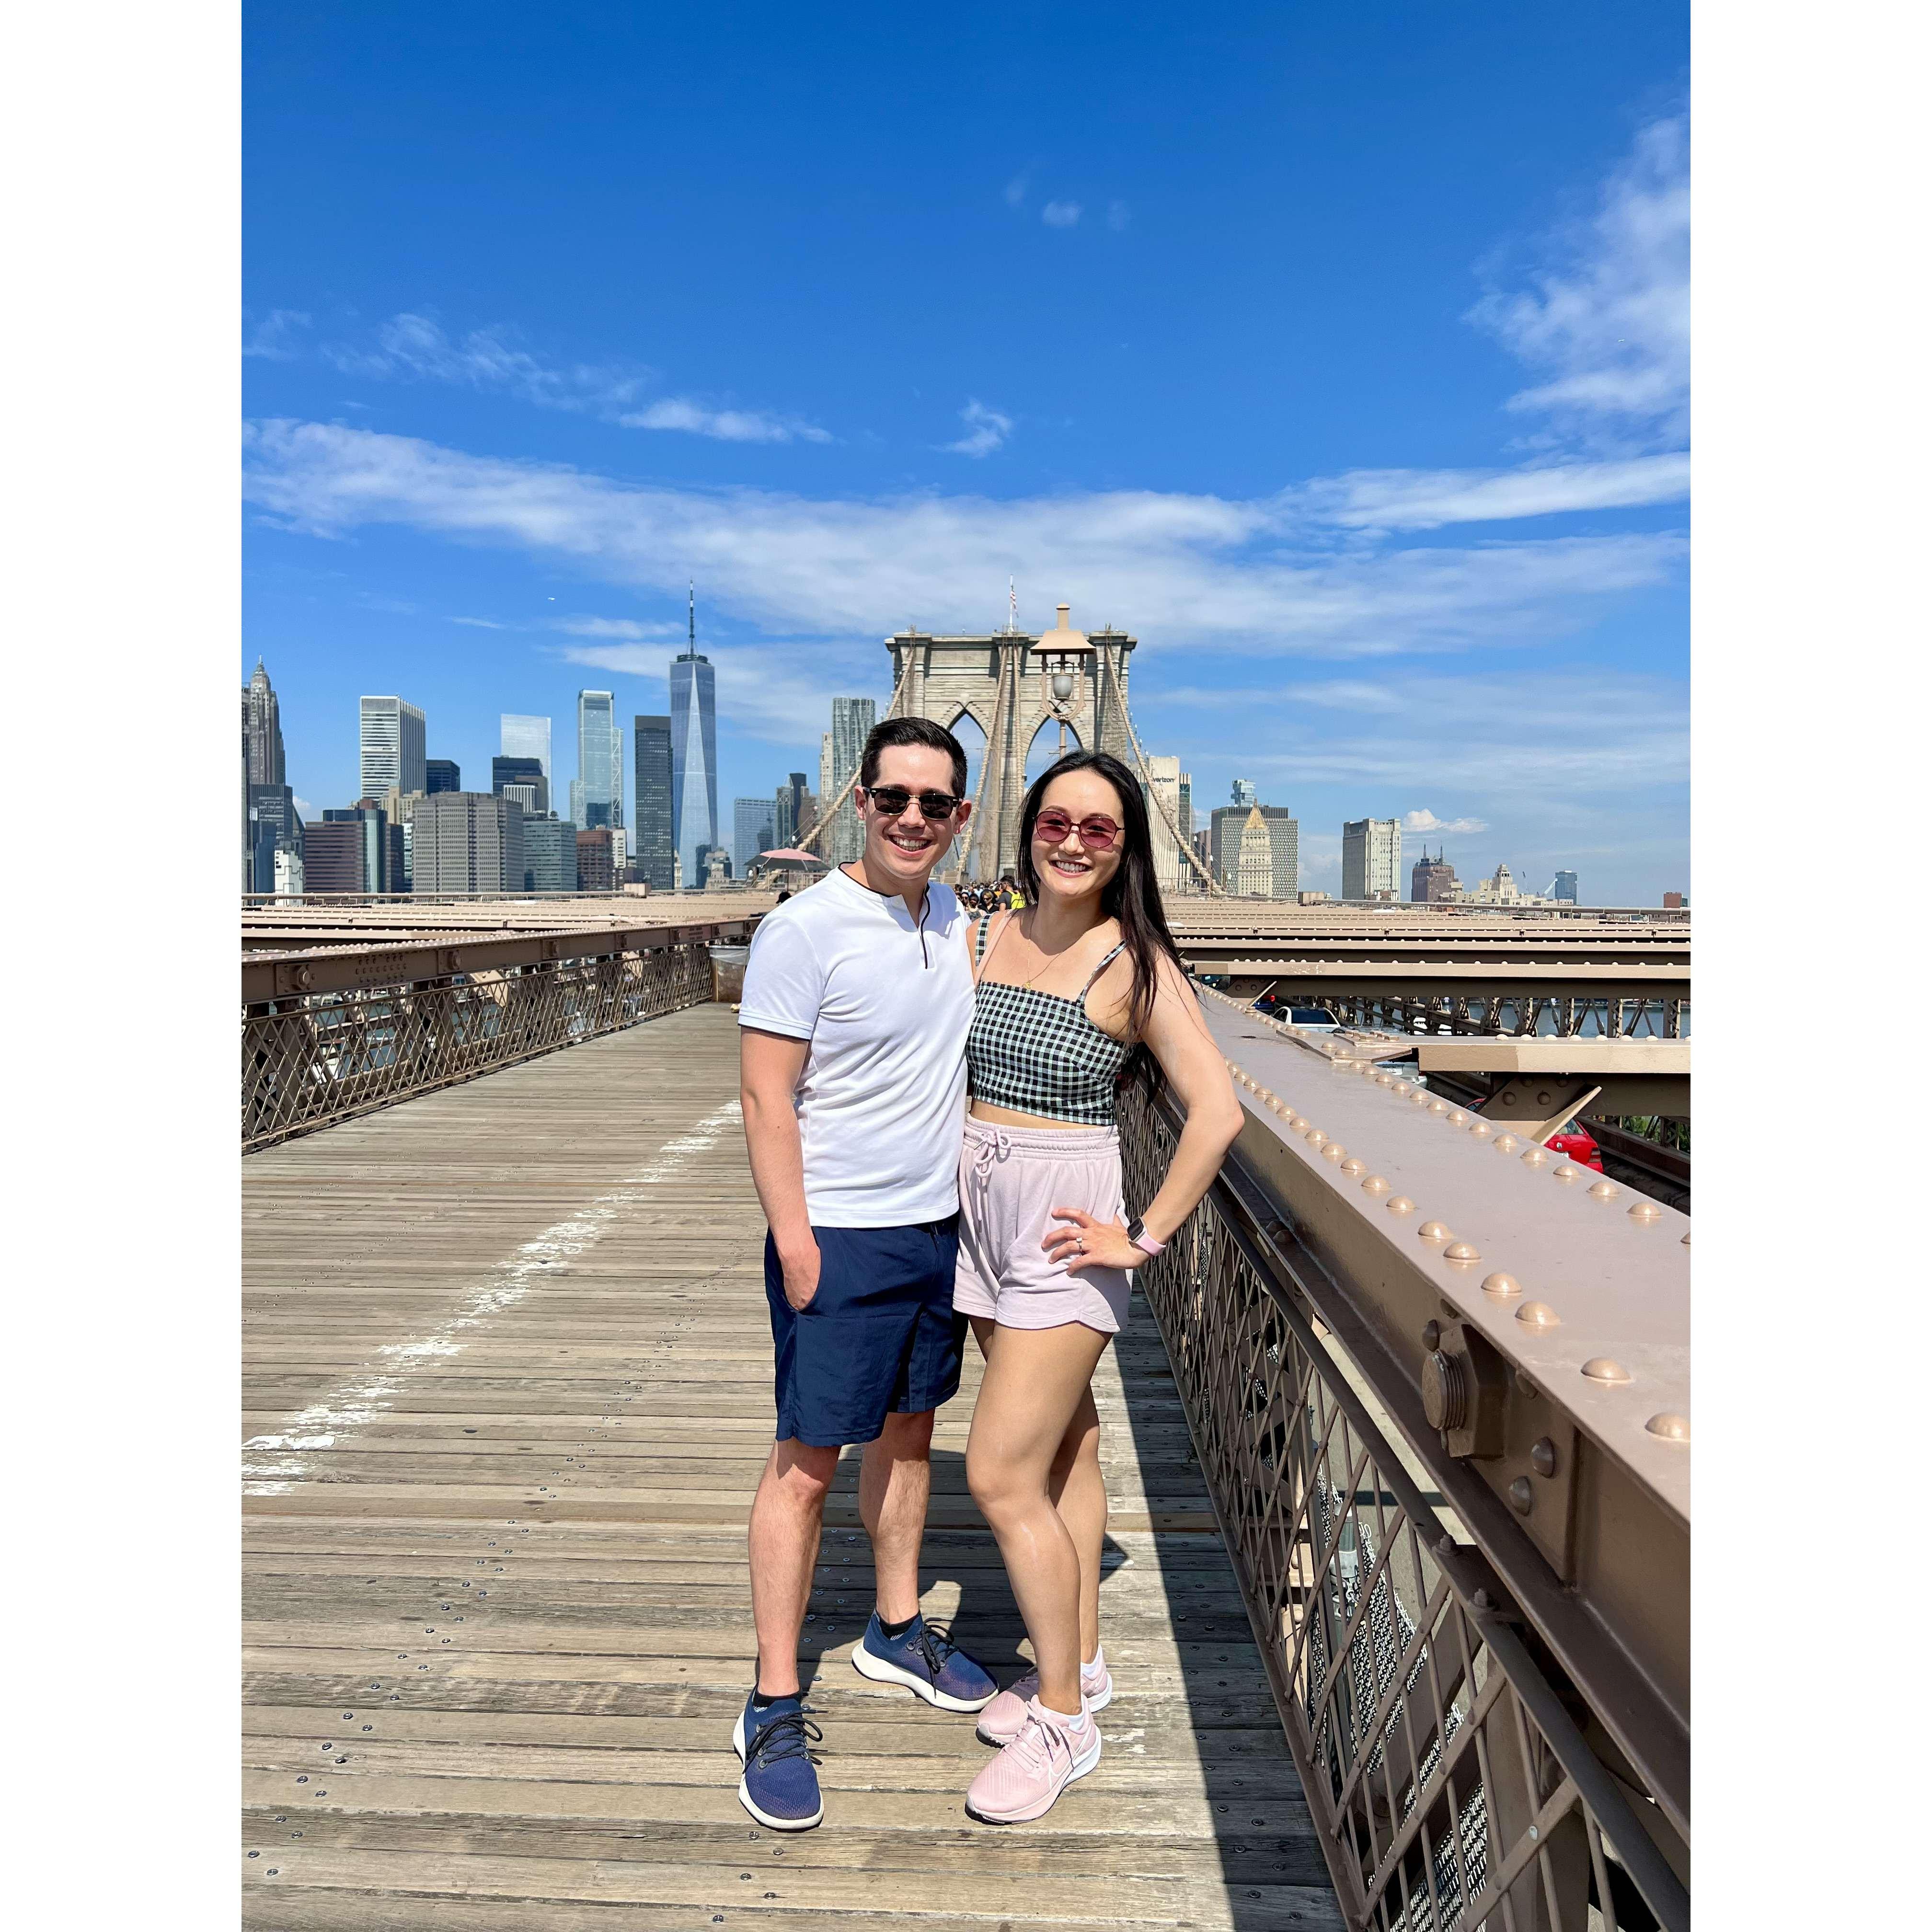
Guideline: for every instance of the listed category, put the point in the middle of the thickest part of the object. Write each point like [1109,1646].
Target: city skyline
[1407,467]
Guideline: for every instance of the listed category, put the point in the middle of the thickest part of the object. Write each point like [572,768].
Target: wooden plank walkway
[508,1389]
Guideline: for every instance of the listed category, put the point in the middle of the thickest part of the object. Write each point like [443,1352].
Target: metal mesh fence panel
[1445,1761]
[313,1059]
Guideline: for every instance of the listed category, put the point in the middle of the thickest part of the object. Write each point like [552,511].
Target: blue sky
[1340,354]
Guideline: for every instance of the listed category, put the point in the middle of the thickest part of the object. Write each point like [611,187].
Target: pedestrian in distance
[858,996]
[1067,993]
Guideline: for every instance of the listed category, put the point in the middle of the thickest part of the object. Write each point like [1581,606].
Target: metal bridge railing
[329,1035]
[1442,1749]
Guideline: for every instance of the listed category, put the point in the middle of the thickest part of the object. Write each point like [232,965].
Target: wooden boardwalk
[508,1391]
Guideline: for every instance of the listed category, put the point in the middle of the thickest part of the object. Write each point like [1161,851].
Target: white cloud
[1118,216]
[481,623]
[1426,499]
[303,806]
[414,347]
[273,338]
[1016,190]
[1426,823]
[1060,213]
[627,627]
[1610,322]
[1247,575]
[986,429]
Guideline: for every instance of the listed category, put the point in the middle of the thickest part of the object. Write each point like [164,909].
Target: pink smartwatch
[1137,1233]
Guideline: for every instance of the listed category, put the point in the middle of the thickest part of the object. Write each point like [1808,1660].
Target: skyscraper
[1225,828]
[1371,858]
[442,775]
[1164,784]
[526,771]
[467,842]
[1254,866]
[394,745]
[596,725]
[526,738]
[1245,794]
[262,727]
[1565,889]
[852,721]
[791,812]
[655,846]
[694,752]
[1433,880]
[751,831]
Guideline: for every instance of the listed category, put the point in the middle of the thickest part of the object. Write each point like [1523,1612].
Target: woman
[1066,991]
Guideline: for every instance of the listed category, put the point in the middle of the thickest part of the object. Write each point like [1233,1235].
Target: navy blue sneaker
[780,1786]
[926,1660]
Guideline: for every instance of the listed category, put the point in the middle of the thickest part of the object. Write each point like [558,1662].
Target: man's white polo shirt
[886,1002]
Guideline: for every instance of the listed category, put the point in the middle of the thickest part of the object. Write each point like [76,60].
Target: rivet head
[1543,1457]
[1316,1137]
[1334,1151]
[1278,1106]
[1537,1314]
[1461,1251]
[1384,1079]
[1374,1184]
[1354,1165]
[1295,1122]
[1604,1190]
[1535,1156]
[1481,1129]
[1601,1369]
[1400,1204]
[1502,1286]
[1418,1098]
[1432,1336]
[1506,1144]
[1566,1173]
[1439,1106]
[1672,1428]
[1456,1117]
[1432,1231]
[1645,1210]
[1522,1497]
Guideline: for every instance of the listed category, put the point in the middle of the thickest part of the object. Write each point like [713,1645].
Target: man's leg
[895,1483]
[786,1515]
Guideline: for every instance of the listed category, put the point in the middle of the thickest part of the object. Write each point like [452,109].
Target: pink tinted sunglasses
[1097,831]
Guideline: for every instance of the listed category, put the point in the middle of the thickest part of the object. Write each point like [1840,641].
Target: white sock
[1096,1664]
[1072,1722]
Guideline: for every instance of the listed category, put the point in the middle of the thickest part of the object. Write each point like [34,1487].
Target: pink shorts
[1011,1179]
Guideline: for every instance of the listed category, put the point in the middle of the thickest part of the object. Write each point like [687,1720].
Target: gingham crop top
[1039,1053]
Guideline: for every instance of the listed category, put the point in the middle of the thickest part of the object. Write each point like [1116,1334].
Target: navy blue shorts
[880,1337]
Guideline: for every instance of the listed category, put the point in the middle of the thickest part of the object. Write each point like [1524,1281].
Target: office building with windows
[654,844]
[592,803]
[262,729]
[527,772]
[333,857]
[442,775]
[852,721]
[525,738]
[790,816]
[596,871]
[1433,881]
[549,854]
[1227,826]
[1371,859]
[694,758]
[751,831]
[1564,891]
[467,842]
[393,743]
[382,858]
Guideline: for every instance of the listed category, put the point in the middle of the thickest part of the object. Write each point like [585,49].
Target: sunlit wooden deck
[508,1391]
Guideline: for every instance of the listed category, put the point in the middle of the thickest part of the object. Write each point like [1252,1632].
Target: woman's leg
[1078,1490]
[1033,1391]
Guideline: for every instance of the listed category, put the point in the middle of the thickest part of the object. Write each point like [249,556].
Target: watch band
[1137,1233]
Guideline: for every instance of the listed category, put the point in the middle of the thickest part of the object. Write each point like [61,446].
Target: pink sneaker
[1001,1720]
[1034,1768]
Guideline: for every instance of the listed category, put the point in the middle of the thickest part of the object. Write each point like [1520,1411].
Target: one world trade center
[694,754]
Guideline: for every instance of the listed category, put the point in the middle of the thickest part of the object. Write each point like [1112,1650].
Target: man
[858,997]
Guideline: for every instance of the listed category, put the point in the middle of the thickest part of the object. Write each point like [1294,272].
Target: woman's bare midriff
[1005,1117]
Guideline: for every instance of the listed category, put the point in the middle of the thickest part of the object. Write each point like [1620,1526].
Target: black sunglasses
[893,799]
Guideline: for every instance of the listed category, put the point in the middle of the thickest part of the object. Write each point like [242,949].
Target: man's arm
[769,1066]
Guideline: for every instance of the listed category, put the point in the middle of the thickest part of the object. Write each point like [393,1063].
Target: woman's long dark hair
[1131,895]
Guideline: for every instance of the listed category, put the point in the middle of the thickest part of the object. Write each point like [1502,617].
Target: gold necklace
[1052,959]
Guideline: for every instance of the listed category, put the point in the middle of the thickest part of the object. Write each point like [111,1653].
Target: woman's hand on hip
[1087,1242]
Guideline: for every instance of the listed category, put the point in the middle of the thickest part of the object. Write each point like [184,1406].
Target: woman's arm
[1177,1037]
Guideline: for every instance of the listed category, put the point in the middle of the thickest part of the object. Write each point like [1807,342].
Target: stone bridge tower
[1010,684]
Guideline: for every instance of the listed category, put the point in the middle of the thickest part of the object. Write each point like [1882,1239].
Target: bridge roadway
[507,1392]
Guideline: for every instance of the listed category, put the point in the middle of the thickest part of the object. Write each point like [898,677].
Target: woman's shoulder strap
[1113,953]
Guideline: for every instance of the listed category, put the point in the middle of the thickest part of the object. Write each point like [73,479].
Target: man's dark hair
[912,731]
